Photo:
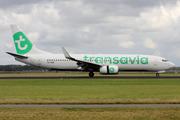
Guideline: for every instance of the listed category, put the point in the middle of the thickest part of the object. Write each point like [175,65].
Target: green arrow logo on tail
[22,43]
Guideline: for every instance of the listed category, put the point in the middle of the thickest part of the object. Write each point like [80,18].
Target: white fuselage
[104,63]
[125,62]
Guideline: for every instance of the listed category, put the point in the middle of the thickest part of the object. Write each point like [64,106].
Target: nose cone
[171,65]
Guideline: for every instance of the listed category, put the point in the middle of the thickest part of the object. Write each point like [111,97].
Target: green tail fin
[22,43]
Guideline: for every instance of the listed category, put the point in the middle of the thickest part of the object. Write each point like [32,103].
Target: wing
[82,65]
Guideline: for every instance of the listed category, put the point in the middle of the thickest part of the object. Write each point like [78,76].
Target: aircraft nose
[172,65]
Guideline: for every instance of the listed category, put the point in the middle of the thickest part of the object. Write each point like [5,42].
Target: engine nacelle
[111,69]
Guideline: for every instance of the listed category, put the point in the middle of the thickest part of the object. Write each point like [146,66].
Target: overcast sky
[149,27]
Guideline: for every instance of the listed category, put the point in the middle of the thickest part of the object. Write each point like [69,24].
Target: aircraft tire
[91,74]
[157,74]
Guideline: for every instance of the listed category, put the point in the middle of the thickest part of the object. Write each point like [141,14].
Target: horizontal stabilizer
[17,55]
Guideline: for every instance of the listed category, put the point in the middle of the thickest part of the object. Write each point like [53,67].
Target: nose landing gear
[157,74]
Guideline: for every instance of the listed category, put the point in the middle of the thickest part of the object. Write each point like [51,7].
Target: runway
[88,105]
[99,77]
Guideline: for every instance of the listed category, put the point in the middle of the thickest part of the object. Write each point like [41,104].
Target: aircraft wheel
[157,74]
[91,74]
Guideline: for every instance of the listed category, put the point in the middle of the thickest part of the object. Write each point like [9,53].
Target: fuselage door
[39,62]
[155,61]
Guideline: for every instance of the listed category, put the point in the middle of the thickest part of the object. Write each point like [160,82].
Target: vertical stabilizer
[22,44]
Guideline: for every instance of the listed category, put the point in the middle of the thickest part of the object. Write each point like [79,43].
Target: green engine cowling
[111,69]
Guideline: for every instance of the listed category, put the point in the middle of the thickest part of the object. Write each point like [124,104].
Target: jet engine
[111,69]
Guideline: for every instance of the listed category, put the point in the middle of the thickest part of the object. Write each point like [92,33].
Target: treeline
[175,69]
[18,68]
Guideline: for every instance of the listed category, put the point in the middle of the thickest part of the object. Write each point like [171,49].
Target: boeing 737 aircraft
[103,63]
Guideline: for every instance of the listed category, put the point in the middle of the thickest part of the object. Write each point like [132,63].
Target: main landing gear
[91,74]
[157,74]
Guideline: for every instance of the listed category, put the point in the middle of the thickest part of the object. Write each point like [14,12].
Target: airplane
[105,64]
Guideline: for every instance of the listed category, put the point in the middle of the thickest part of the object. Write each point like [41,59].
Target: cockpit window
[164,60]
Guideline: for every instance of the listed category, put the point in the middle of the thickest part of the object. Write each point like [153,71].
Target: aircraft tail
[22,44]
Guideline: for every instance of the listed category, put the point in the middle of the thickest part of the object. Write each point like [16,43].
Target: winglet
[66,54]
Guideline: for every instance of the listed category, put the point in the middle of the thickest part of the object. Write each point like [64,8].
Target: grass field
[90,113]
[89,91]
